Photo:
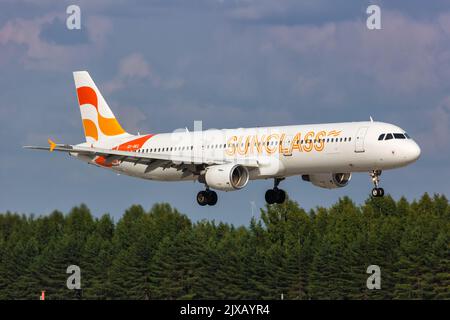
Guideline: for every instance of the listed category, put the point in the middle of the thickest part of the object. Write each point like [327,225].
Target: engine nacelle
[328,180]
[226,177]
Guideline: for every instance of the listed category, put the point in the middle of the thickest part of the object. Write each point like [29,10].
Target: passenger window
[389,136]
[349,139]
[399,136]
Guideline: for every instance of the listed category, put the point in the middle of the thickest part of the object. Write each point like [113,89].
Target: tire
[381,192]
[211,198]
[271,196]
[280,196]
[202,198]
[375,192]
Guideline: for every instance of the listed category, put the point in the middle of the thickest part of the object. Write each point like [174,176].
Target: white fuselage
[280,151]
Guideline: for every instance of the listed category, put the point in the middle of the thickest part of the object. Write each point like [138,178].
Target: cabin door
[359,139]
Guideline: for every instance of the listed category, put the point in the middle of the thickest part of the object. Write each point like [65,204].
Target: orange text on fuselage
[278,142]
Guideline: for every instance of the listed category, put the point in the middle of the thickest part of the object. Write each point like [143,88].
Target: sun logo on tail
[100,125]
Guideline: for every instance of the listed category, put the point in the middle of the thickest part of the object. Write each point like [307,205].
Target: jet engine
[328,180]
[226,177]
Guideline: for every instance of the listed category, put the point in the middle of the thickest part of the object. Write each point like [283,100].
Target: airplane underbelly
[159,173]
[345,161]
[314,162]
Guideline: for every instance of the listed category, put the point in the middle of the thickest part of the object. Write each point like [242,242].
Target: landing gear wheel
[202,198]
[207,197]
[377,192]
[275,196]
[211,197]
[281,196]
[271,196]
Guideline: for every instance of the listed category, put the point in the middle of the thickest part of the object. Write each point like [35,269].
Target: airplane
[325,155]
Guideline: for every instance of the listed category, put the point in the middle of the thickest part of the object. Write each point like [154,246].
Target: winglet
[52,144]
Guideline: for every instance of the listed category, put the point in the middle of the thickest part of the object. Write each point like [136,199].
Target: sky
[163,64]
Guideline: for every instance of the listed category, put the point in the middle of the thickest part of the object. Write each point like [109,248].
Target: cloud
[134,69]
[130,117]
[134,66]
[405,56]
[56,32]
[38,45]
[293,12]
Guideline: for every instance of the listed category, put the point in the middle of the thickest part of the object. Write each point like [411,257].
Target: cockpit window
[381,137]
[407,136]
[389,136]
[399,136]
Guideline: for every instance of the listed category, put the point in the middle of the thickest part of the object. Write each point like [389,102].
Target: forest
[322,253]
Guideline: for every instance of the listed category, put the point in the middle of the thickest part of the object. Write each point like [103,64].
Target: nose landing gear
[207,197]
[275,195]
[377,191]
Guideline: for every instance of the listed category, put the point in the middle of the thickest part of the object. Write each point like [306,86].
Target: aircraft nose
[413,152]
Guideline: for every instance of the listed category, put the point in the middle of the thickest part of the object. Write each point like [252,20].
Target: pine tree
[161,254]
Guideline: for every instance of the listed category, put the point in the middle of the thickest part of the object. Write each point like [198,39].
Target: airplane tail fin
[99,122]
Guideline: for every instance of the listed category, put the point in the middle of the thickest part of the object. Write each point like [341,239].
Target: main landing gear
[275,195]
[207,197]
[377,191]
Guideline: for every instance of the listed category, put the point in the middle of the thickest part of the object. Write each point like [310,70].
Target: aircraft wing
[153,159]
